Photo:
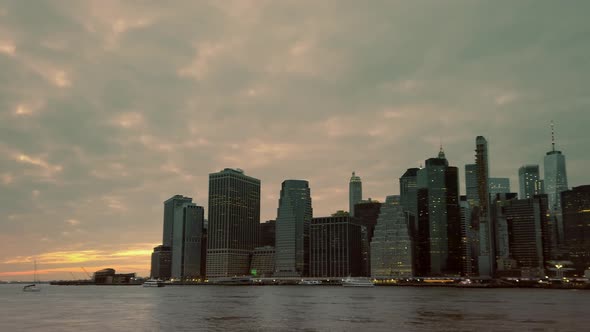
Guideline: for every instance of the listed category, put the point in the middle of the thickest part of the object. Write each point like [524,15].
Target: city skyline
[103,118]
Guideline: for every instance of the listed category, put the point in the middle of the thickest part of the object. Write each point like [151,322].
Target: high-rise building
[355,192]
[438,236]
[469,243]
[267,233]
[292,229]
[336,245]
[173,213]
[234,218]
[530,182]
[555,183]
[188,231]
[486,231]
[576,221]
[498,186]
[161,263]
[263,262]
[408,191]
[471,184]
[391,248]
[366,213]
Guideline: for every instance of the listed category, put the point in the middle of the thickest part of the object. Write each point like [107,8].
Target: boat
[357,282]
[33,287]
[309,282]
[153,283]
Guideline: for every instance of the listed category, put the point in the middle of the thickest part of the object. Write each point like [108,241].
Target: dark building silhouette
[408,191]
[233,223]
[366,214]
[188,237]
[437,238]
[336,245]
[267,233]
[161,263]
[576,221]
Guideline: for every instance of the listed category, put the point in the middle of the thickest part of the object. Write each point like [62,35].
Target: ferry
[357,282]
[310,282]
[153,283]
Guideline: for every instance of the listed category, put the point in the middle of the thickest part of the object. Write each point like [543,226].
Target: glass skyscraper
[555,184]
[234,217]
[486,232]
[355,192]
[529,181]
[292,229]
[187,255]
[471,184]
[498,186]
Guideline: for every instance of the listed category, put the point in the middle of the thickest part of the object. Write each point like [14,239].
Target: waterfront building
[263,262]
[555,183]
[187,244]
[234,218]
[391,247]
[498,186]
[408,191]
[267,233]
[355,192]
[173,213]
[529,181]
[471,184]
[161,267]
[336,246]
[469,242]
[366,213]
[576,221]
[485,228]
[292,229]
[438,235]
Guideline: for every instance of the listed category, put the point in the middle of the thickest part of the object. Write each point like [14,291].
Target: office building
[355,192]
[485,227]
[267,233]
[292,229]
[555,183]
[471,184]
[234,218]
[336,246]
[391,247]
[498,186]
[408,191]
[263,262]
[438,236]
[530,183]
[576,221]
[161,267]
[173,213]
[366,213]
[187,243]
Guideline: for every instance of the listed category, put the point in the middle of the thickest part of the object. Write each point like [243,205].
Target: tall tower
[471,184]
[529,181]
[234,216]
[355,192]
[486,232]
[292,229]
[555,183]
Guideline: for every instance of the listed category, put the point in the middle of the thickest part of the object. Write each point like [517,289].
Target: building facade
[161,267]
[555,184]
[336,246]
[263,262]
[391,247]
[233,222]
[471,184]
[498,186]
[187,244]
[292,229]
[267,233]
[530,183]
[355,192]
[485,228]
[576,220]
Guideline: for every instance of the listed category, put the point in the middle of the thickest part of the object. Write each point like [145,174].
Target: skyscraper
[292,229]
[555,183]
[529,181]
[471,184]
[576,221]
[336,245]
[408,191]
[267,233]
[486,231]
[173,212]
[366,214]
[391,248]
[498,186]
[234,216]
[355,192]
[188,231]
[439,221]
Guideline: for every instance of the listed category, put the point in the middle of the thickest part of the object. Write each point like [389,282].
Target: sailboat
[33,287]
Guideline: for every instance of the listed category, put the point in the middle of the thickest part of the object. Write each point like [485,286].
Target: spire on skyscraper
[552,137]
[441,153]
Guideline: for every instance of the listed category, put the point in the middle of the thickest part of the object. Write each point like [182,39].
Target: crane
[88,274]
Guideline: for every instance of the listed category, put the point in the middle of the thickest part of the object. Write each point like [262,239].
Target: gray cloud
[108,108]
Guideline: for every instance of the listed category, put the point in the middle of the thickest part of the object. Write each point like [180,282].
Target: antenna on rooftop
[552,137]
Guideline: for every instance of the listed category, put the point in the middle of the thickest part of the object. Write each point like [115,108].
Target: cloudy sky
[107,108]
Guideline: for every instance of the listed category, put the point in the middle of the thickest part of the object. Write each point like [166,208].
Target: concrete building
[234,218]
[355,192]
[576,220]
[530,183]
[336,245]
[391,247]
[263,262]
[161,263]
[292,229]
